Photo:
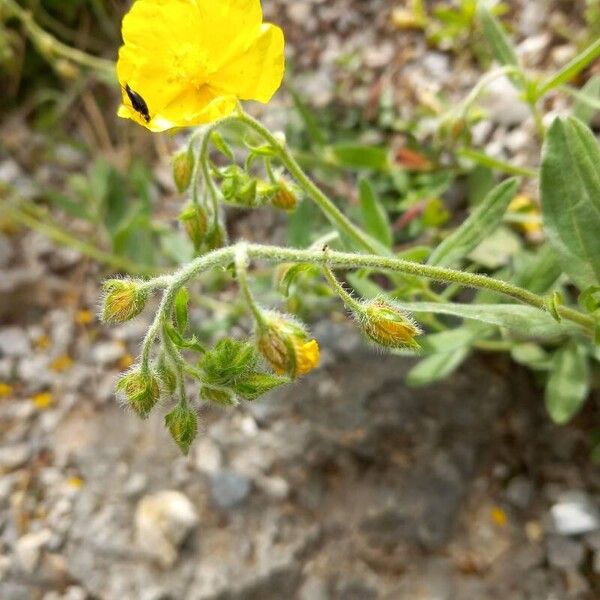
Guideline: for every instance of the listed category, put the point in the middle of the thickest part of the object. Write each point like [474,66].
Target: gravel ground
[348,486]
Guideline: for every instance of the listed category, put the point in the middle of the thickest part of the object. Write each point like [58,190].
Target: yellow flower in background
[188,62]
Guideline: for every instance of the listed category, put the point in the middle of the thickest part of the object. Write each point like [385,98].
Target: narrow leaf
[568,385]
[587,100]
[481,223]
[498,39]
[181,309]
[374,214]
[523,320]
[436,367]
[356,156]
[571,69]
[570,192]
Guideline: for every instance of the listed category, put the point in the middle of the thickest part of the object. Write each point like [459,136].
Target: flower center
[188,66]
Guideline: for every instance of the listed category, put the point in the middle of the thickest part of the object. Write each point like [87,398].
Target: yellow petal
[257,72]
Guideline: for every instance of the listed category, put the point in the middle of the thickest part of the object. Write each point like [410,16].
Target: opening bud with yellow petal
[388,325]
[123,300]
[286,197]
[195,222]
[182,423]
[140,390]
[286,345]
[183,169]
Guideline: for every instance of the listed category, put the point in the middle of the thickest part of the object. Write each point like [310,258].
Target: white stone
[107,353]
[207,456]
[15,456]
[14,342]
[575,513]
[28,549]
[162,521]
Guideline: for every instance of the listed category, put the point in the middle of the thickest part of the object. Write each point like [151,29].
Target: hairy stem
[274,254]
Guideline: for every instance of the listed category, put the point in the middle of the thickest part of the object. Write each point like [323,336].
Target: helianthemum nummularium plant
[190,63]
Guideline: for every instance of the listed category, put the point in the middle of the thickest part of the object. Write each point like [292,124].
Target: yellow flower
[188,62]
[5,390]
[43,400]
[286,345]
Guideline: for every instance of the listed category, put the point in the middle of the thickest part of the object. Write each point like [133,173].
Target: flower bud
[140,390]
[389,326]
[182,423]
[195,222]
[223,397]
[238,187]
[216,238]
[123,300]
[183,168]
[285,198]
[166,376]
[286,345]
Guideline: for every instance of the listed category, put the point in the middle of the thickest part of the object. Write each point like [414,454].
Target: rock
[14,342]
[107,353]
[136,484]
[519,492]
[229,489]
[28,549]
[504,103]
[162,522]
[15,456]
[207,456]
[4,566]
[575,513]
[313,589]
[564,553]
[6,251]
[34,370]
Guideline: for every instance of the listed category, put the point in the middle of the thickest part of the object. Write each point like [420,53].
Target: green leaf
[228,362]
[75,209]
[181,309]
[356,156]
[292,273]
[532,356]
[484,219]
[182,423]
[310,123]
[587,100]
[436,367]
[221,145]
[363,285]
[484,160]
[181,343]
[570,70]
[374,215]
[568,385]
[523,320]
[255,385]
[500,43]
[589,299]
[222,397]
[570,192]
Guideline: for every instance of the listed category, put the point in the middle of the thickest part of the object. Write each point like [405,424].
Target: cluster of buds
[123,300]
[286,345]
[140,391]
[387,325]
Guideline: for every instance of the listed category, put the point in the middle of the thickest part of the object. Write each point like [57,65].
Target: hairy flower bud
[223,397]
[123,300]
[183,168]
[216,238]
[140,390]
[388,325]
[195,222]
[182,423]
[286,197]
[286,345]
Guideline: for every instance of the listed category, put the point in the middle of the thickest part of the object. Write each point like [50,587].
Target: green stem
[346,297]
[274,254]
[331,211]
[241,271]
[50,47]
[205,166]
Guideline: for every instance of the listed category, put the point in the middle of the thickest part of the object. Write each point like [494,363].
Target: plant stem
[346,297]
[274,254]
[331,211]
[241,271]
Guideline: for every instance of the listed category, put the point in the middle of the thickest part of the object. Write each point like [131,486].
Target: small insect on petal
[138,103]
